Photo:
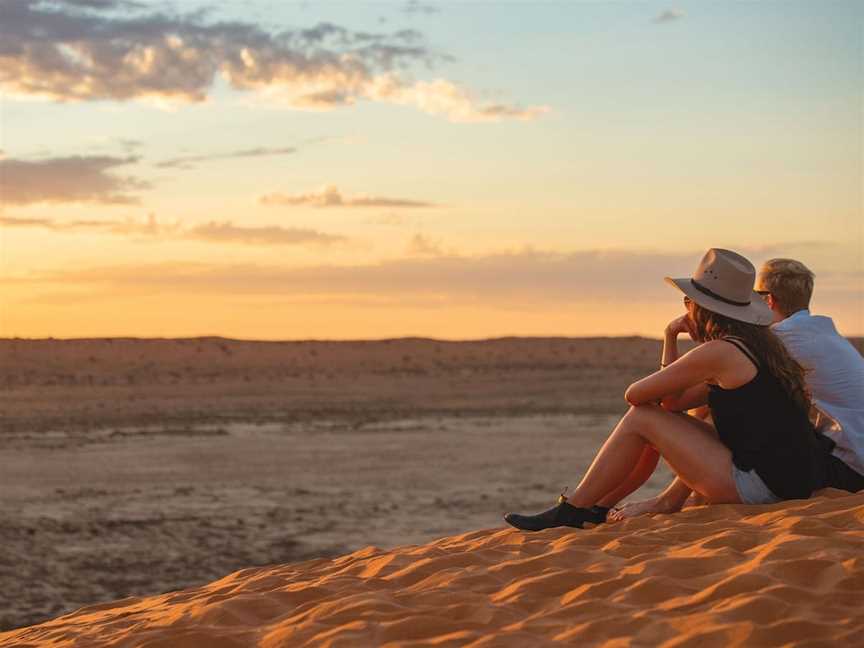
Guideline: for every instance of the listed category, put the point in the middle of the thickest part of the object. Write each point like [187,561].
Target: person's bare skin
[658,424]
[673,499]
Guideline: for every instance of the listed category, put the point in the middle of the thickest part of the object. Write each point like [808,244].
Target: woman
[762,447]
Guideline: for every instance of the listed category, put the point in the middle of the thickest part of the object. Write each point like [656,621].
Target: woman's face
[694,328]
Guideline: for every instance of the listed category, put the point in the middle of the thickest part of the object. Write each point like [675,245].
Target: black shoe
[562,514]
[601,512]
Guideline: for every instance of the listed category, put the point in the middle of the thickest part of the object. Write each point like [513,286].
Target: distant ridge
[88,382]
[328,340]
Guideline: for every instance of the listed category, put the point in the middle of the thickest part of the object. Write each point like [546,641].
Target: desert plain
[139,466]
[136,468]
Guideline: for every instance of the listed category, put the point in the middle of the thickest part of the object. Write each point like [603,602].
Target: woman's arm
[681,385]
[670,340]
[676,327]
[690,398]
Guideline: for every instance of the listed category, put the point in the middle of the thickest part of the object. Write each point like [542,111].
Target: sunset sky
[275,170]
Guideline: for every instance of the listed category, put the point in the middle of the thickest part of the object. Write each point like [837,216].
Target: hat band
[711,293]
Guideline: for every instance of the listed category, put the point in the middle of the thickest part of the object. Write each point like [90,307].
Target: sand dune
[790,574]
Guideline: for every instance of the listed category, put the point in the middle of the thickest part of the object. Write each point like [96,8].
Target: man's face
[760,288]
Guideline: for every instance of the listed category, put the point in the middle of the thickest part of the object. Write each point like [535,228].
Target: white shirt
[835,377]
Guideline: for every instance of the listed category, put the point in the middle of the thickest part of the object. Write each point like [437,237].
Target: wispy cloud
[105,49]
[420,245]
[213,231]
[330,196]
[103,4]
[189,161]
[128,227]
[517,278]
[74,179]
[670,15]
[265,235]
[417,7]
[7,221]
[443,97]
[391,218]
[529,275]
[788,247]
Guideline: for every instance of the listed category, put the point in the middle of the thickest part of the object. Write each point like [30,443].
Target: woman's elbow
[671,405]
[631,395]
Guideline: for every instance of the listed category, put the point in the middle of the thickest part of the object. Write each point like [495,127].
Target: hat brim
[756,312]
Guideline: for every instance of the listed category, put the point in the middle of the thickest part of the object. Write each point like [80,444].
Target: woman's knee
[640,417]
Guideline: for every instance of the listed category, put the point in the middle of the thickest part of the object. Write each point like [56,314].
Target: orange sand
[790,574]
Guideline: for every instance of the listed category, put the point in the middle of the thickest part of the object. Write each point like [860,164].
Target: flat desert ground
[135,467]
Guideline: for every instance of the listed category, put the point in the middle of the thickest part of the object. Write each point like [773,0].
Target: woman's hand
[680,325]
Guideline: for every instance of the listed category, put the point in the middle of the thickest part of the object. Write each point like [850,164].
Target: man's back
[835,376]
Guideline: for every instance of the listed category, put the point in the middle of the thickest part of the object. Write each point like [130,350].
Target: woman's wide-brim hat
[723,283]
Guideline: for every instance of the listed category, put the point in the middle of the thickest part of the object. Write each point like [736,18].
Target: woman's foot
[696,499]
[635,509]
[562,514]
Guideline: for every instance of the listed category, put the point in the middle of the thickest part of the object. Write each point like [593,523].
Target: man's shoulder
[803,322]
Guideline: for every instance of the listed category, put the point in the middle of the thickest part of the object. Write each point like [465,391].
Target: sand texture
[132,467]
[790,574]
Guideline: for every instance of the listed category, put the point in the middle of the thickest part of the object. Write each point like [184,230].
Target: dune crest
[785,574]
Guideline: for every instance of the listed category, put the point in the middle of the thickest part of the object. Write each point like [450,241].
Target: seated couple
[759,444]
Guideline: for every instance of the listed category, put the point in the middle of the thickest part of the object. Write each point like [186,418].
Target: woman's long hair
[762,342]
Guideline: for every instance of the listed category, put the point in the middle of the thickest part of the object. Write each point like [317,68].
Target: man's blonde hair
[790,283]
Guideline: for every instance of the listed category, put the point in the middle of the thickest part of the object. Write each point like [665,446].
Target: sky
[347,170]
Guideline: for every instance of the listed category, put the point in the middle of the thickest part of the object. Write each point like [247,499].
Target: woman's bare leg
[645,467]
[676,494]
[692,451]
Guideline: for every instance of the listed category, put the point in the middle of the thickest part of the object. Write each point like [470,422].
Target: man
[835,369]
[834,375]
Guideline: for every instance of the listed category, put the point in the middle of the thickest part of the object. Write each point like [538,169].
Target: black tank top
[767,432]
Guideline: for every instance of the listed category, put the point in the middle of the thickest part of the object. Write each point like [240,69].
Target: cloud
[520,279]
[443,97]
[420,245]
[129,227]
[214,231]
[74,179]
[96,5]
[267,235]
[330,196]
[390,218]
[525,275]
[670,15]
[190,161]
[101,142]
[417,7]
[7,221]
[773,249]
[75,52]
[130,144]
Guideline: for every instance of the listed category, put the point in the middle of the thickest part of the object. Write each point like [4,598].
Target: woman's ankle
[666,505]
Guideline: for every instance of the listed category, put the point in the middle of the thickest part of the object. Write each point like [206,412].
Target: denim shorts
[751,489]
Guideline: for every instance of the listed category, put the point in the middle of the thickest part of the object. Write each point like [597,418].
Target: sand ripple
[789,574]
